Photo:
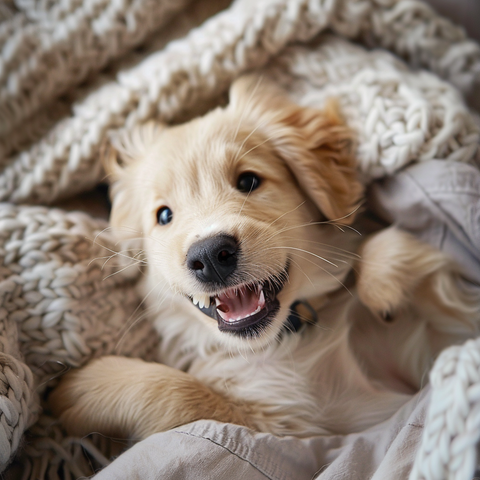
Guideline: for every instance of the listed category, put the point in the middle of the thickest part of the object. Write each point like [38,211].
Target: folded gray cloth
[208,450]
[439,202]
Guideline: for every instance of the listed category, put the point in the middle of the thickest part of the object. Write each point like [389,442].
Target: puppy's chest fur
[296,385]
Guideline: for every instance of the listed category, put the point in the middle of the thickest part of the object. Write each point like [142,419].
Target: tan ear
[317,145]
[121,154]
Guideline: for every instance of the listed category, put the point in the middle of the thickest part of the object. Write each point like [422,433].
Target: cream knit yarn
[452,431]
[62,302]
[400,116]
[58,308]
[49,47]
[201,65]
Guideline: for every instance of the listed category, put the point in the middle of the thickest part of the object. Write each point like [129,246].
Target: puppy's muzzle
[214,259]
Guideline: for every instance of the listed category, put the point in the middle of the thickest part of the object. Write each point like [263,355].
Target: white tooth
[261,298]
[201,300]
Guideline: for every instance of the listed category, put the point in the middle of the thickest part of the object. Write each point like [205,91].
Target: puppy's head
[235,208]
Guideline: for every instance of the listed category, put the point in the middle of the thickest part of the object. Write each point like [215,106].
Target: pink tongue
[237,304]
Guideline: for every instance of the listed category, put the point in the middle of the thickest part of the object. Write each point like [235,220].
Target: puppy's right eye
[164,215]
[247,182]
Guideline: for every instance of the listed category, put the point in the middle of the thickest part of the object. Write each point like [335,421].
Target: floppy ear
[121,154]
[317,145]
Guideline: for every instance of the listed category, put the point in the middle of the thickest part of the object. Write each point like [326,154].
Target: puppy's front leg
[131,398]
[398,270]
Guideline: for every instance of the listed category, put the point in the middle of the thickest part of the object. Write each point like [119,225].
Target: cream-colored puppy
[242,213]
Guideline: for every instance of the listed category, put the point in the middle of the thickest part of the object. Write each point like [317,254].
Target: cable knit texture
[66,295]
[452,428]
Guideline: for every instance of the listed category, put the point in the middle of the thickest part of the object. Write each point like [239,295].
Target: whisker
[302,271]
[256,146]
[246,138]
[324,270]
[328,248]
[304,251]
[260,78]
[120,271]
[286,213]
[355,210]
[144,315]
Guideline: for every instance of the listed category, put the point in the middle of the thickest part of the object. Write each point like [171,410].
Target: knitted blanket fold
[67,293]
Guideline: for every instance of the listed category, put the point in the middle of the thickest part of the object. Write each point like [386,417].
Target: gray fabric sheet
[440,203]
[212,450]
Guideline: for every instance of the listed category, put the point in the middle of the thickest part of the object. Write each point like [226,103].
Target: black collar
[301,313]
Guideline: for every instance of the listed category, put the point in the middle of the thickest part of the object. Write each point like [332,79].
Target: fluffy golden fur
[375,338]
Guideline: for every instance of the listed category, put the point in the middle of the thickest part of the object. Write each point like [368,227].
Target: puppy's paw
[397,271]
[393,266]
[130,398]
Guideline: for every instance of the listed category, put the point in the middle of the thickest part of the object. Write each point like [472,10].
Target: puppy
[274,312]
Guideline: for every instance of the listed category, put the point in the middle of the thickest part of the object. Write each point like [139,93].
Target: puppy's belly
[304,385]
[342,375]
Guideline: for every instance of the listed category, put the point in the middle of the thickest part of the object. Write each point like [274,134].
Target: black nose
[212,260]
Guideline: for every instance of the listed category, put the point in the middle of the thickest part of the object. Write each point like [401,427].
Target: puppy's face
[234,208]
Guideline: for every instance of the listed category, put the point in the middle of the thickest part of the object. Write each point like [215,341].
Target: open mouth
[244,310]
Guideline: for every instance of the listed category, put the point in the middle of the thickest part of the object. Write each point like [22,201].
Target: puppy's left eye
[164,216]
[248,182]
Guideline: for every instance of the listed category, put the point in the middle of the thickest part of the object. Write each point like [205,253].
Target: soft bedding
[206,450]
[67,295]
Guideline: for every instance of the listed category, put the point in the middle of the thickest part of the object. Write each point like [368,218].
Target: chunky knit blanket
[71,70]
